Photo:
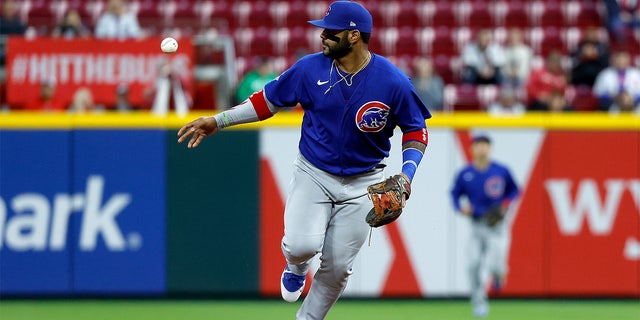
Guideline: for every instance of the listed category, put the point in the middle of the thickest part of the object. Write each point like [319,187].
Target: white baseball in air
[169,45]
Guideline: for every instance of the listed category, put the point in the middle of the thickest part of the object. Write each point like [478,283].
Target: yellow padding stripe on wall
[458,120]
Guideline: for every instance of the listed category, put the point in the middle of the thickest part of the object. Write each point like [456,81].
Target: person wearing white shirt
[117,22]
[517,56]
[620,78]
[482,60]
[507,104]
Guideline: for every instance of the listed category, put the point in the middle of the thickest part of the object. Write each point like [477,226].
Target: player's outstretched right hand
[198,129]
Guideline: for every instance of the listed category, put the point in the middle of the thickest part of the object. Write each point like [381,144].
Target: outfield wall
[112,205]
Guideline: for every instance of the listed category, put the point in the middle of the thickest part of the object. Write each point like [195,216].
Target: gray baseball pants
[325,214]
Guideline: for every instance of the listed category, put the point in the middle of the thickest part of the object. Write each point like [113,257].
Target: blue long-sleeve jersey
[348,137]
[484,188]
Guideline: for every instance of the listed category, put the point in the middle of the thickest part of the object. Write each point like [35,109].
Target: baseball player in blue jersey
[489,189]
[352,101]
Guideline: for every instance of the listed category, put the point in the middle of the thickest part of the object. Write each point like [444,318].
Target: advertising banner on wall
[575,227]
[99,65]
[82,212]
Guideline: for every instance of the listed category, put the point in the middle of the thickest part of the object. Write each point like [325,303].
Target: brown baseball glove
[494,214]
[387,197]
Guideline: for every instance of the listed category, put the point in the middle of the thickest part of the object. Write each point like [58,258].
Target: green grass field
[344,309]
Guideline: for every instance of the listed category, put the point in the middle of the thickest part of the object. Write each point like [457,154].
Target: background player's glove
[388,200]
[494,214]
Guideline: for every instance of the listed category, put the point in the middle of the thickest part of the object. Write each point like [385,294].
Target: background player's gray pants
[488,247]
[325,213]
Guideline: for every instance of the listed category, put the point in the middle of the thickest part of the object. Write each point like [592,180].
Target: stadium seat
[443,43]
[41,16]
[259,16]
[442,66]
[487,94]
[262,43]
[516,16]
[581,98]
[278,13]
[444,15]
[552,41]
[242,38]
[408,15]
[461,97]
[374,8]
[588,16]
[551,15]
[480,17]
[297,41]
[407,43]
[297,14]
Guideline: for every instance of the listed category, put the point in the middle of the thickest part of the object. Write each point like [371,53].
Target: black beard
[340,50]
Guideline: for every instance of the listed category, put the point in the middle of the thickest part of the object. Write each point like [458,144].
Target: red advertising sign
[99,65]
[577,231]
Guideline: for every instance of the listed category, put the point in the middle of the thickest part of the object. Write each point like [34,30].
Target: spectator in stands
[590,57]
[71,26]
[10,24]
[482,60]
[518,58]
[618,79]
[117,22]
[428,84]
[255,79]
[47,100]
[172,88]
[623,17]
[507,103]
[624,103]
[122,98]
[545,82]
[558,103]
[83,102]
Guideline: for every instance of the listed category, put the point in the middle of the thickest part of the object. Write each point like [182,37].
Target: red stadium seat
[297,42]
[461,98]
[516,16]
[443,43]
[552,41]
[278,12]
[408,15]
[480,17]
[442,66]
[221,15]
[42,16]
[262,43]
[259,16]
[407,43]
[444,15]
[588,16]
[581,98]
[297,15]
[552,16]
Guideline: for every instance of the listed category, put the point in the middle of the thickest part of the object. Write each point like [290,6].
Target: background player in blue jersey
[486,185]
[352,101]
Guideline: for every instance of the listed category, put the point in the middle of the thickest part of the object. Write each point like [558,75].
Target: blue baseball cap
[345,15]
[481,137]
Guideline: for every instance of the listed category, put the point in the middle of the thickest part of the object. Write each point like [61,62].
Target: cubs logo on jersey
[494,186]
[372,116]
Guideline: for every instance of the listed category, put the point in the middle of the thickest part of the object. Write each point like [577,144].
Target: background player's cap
[481,137]
[345,15]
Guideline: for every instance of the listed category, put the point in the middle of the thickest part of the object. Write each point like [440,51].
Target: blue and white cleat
[481,310]
[291,285]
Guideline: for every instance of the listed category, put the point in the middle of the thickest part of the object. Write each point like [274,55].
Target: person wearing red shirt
[546,82]
[47,99]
